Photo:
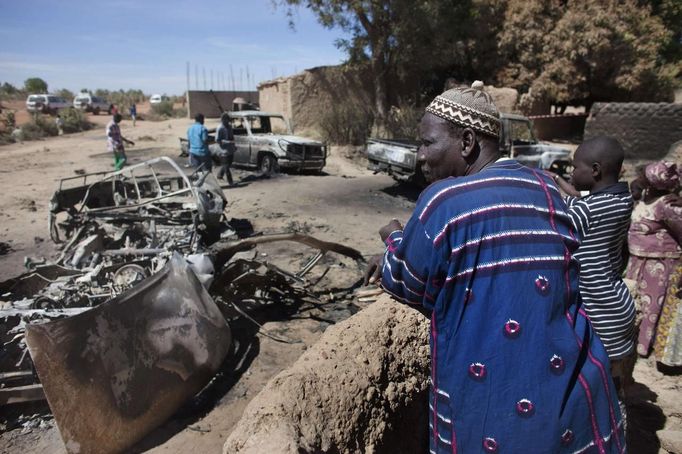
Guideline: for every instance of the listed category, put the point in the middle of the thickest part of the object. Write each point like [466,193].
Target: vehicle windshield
[238,127]
[278,125]
[35,98]
[259,125]
[521,132]
[53,99]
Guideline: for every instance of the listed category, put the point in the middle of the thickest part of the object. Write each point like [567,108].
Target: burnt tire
[268,164]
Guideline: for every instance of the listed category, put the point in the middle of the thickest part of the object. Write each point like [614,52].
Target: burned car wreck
[133,316]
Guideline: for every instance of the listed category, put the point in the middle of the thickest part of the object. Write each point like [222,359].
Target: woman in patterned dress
[654,241]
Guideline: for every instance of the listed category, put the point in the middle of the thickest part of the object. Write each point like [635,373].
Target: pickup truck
[259,147]
[517,140]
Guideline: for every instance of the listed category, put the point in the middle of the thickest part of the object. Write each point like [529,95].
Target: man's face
[582,177]
[439,154]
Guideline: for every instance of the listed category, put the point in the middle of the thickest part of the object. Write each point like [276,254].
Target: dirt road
[347,204]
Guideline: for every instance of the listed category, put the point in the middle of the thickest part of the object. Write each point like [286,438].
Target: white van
[50,104]
[89,103]
[158,99]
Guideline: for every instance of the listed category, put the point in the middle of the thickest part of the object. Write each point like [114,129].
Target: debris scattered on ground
[5,248]
[27,204]
[121,312]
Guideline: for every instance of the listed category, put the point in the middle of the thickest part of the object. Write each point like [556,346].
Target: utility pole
[232,79]
[187,76]
[203,69]
[196,77]
[211,79]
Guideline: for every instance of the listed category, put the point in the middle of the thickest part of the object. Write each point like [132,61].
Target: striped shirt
[515,364]
[601,221]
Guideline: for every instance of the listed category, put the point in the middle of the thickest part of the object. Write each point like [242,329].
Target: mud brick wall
[204,102]
[304,97]
[363,387]
[646,130]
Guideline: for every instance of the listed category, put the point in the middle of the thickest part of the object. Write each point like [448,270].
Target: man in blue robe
[488,252]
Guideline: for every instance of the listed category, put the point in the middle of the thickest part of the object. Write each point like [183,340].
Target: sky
[146,44]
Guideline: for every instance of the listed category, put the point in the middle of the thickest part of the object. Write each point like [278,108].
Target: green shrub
[180,112]
[40,126]
[74,121]
[344,124]
[163,109]
[10,120]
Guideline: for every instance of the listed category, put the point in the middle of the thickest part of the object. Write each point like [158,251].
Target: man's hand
[373,270]
[129,142]
[392,226]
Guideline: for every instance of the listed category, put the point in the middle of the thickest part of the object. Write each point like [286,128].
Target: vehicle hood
[403,155]
[543,153]
[275,138]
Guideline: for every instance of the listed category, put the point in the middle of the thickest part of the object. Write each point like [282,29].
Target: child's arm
[579,211]
[565,185]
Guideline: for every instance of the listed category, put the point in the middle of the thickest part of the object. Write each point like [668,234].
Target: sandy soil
[347,204]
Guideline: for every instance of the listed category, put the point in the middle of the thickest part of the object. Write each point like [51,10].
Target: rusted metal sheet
[114,373]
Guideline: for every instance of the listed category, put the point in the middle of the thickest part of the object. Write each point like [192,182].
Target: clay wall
[646,130]
[305,97]
[204,102]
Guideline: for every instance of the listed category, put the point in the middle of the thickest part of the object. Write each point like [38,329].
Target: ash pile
[133,317]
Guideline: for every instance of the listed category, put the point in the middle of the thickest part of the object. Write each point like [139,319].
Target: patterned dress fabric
[668,345]
[516,366]
[601,220]
[654,255]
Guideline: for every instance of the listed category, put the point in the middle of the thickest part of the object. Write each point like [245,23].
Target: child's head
[597,162]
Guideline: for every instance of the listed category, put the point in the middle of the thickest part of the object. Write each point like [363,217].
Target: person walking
[487,253]
[115,142]
[133,113]
[225,140]
[60,125]
[199,154]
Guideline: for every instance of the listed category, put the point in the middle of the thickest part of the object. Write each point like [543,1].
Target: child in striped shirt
[601,220]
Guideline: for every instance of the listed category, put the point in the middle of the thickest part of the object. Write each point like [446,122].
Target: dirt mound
[362,388]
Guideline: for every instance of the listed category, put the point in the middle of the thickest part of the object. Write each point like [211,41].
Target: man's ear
[468,142]
[596,171]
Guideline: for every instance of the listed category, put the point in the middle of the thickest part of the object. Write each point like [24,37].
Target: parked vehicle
[259,147]
[517,140]
[49,104]
[89,103]
[158,99]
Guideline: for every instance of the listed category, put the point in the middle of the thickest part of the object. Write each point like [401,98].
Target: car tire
[96,111]
[268,164]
